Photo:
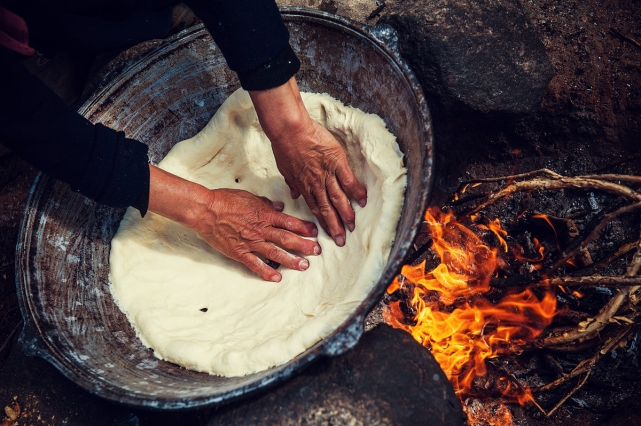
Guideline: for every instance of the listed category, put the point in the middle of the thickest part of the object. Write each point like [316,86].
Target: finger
[295,194]
[293,224]
[292,242]
[340,202]
[281,256]
[333,220]
[276,205]
[313,207]
[258,266]
[349,182]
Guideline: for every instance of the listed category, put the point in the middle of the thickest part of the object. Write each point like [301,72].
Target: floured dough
[164,276]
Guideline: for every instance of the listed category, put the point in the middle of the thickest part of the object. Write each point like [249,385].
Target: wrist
[281,111]
[197,206]
[177,199]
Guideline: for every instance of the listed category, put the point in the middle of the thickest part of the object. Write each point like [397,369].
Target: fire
[454,318]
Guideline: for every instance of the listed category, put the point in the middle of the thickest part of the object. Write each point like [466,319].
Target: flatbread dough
[163,275]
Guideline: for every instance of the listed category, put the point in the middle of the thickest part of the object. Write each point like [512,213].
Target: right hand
[237,223]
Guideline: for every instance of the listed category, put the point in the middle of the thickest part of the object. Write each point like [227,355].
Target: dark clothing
[96,161]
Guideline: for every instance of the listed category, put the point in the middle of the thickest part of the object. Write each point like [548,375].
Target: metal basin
[165,97]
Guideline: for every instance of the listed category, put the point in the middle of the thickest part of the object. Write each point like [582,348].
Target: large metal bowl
[165,97]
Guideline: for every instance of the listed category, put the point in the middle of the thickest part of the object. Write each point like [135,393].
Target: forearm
[281,111]
[98,162]
[176,198]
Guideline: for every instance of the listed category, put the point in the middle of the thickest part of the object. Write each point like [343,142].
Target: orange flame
[497,229]
[454,319]
[546,218]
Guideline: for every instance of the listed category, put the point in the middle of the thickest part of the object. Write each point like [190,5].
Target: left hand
[310,159]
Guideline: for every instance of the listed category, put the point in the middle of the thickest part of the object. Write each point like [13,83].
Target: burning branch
[487,300]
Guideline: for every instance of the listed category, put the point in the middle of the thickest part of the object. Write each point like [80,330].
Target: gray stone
[358,10]
[387,379]
[480,54]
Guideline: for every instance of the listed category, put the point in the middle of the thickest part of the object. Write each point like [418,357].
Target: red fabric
[14,34]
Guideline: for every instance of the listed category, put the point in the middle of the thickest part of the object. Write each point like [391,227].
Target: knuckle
[281,220]
[326,211]
[253,232]
[248,234]
[273,253]
[263,215]
[316,184]
[287,240]
[336,197]
[348,180]
[237,251]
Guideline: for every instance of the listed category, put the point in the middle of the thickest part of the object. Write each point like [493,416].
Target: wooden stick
[591,327]
[9,338]
[588,363]
[621,178]
[625,38]
[561,183]
[569,394]
[595,233]
[550,173]
[621,251]
[588,281]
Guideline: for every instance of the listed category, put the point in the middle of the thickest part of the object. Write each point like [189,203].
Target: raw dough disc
[164,275]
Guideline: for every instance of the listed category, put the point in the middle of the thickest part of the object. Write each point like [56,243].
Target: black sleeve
[94,160]
[252,37]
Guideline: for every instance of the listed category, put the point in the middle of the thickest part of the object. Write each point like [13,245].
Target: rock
[484,55]
[387,379]
[358,10]
[10,413]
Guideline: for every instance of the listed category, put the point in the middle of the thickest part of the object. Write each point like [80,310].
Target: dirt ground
[590,118]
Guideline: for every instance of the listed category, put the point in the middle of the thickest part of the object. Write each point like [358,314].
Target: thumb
[276,205]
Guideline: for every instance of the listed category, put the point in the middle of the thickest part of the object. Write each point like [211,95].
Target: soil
[15,180]
[589,119]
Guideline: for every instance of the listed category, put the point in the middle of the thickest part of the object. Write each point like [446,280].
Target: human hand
[310,159]
[237,223]
[241,226]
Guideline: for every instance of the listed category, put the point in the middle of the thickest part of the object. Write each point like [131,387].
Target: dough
[164,276]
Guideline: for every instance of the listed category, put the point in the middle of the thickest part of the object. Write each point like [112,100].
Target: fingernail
[340,241]
[276,278]
[315,232]
[363,202]
[350,226]
[303,264]
[278,205]
[317,250]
